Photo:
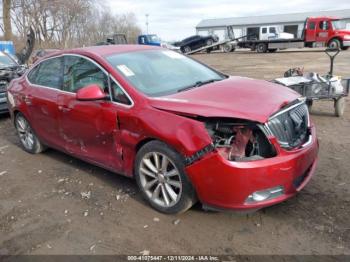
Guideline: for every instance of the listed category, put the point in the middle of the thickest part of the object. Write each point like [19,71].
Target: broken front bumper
[223,184]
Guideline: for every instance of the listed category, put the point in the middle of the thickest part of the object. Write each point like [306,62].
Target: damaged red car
[183,130]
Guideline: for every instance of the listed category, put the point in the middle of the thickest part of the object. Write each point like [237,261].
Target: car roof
[105,50]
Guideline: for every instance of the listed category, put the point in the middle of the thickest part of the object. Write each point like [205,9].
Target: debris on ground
[145,252]
[156,219]
[86,195]
[176,222]
[92,247]
[2,149]
[86,213]
[3,173]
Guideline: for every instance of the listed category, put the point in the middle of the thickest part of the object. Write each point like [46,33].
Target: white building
[290,23]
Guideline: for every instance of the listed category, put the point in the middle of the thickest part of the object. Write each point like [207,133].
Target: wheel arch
[336,38]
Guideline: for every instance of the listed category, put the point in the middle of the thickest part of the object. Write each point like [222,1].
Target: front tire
[160,175]
[334,44]
[228,48]
[29,140]
[210,42]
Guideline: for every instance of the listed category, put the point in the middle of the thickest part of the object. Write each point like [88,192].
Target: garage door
[202,32]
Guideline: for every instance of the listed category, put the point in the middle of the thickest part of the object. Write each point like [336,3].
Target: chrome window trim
[126,93]
[67,92]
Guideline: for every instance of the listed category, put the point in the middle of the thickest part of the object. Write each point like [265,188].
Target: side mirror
[90,93]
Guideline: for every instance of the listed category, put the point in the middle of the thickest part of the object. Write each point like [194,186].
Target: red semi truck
[318,32]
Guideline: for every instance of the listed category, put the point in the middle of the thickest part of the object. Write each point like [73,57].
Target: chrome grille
[290,126]
[3,86]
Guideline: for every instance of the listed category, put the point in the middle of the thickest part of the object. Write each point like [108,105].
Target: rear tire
[161,177]
[29,140]
[187,49]
[261,48]
[339,106]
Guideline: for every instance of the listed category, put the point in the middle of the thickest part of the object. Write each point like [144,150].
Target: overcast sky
[176,19]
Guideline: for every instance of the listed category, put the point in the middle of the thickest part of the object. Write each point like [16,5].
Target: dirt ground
[54,204]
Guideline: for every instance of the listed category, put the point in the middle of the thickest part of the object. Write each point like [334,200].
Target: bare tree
[6,14]
[73,23]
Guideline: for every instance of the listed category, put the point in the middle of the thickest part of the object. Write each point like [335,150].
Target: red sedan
[185,131]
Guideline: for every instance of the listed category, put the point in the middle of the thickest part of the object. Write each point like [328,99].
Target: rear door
[264,33]
[45,85]
[310,31]
[89,128]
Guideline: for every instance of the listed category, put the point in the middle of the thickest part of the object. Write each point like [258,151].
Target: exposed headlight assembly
[239,141]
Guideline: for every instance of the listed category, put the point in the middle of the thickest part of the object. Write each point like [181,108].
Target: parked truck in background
[317,32]
[154,40]
[149,40]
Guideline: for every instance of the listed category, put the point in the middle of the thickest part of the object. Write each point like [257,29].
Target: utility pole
[6,16]
[147,15]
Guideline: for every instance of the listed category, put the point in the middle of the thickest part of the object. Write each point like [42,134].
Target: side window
[312,25]
[272,30]
[48,73]
[118,94]
[80,72]
[264,30]
[324,25]
[33,73]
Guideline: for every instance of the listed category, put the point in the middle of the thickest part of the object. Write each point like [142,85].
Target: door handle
[64,109]
[27,99]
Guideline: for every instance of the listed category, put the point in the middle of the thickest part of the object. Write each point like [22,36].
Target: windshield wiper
[198,84]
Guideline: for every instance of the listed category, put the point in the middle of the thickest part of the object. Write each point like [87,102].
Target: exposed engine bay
[239,141]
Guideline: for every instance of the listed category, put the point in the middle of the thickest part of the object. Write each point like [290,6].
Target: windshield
[6,61]
[153,38]
[338,25]
[162,72]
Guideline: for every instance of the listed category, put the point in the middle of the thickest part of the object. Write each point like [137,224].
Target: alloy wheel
[25,133]
[160,179]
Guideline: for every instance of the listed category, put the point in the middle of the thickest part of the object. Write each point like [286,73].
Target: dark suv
[9,69]
[194,42]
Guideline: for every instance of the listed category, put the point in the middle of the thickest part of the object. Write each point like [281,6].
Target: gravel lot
[54,204]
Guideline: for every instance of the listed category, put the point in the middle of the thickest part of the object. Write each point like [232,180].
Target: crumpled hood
[236,97]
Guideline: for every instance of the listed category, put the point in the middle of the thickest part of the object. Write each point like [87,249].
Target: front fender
[184,134]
